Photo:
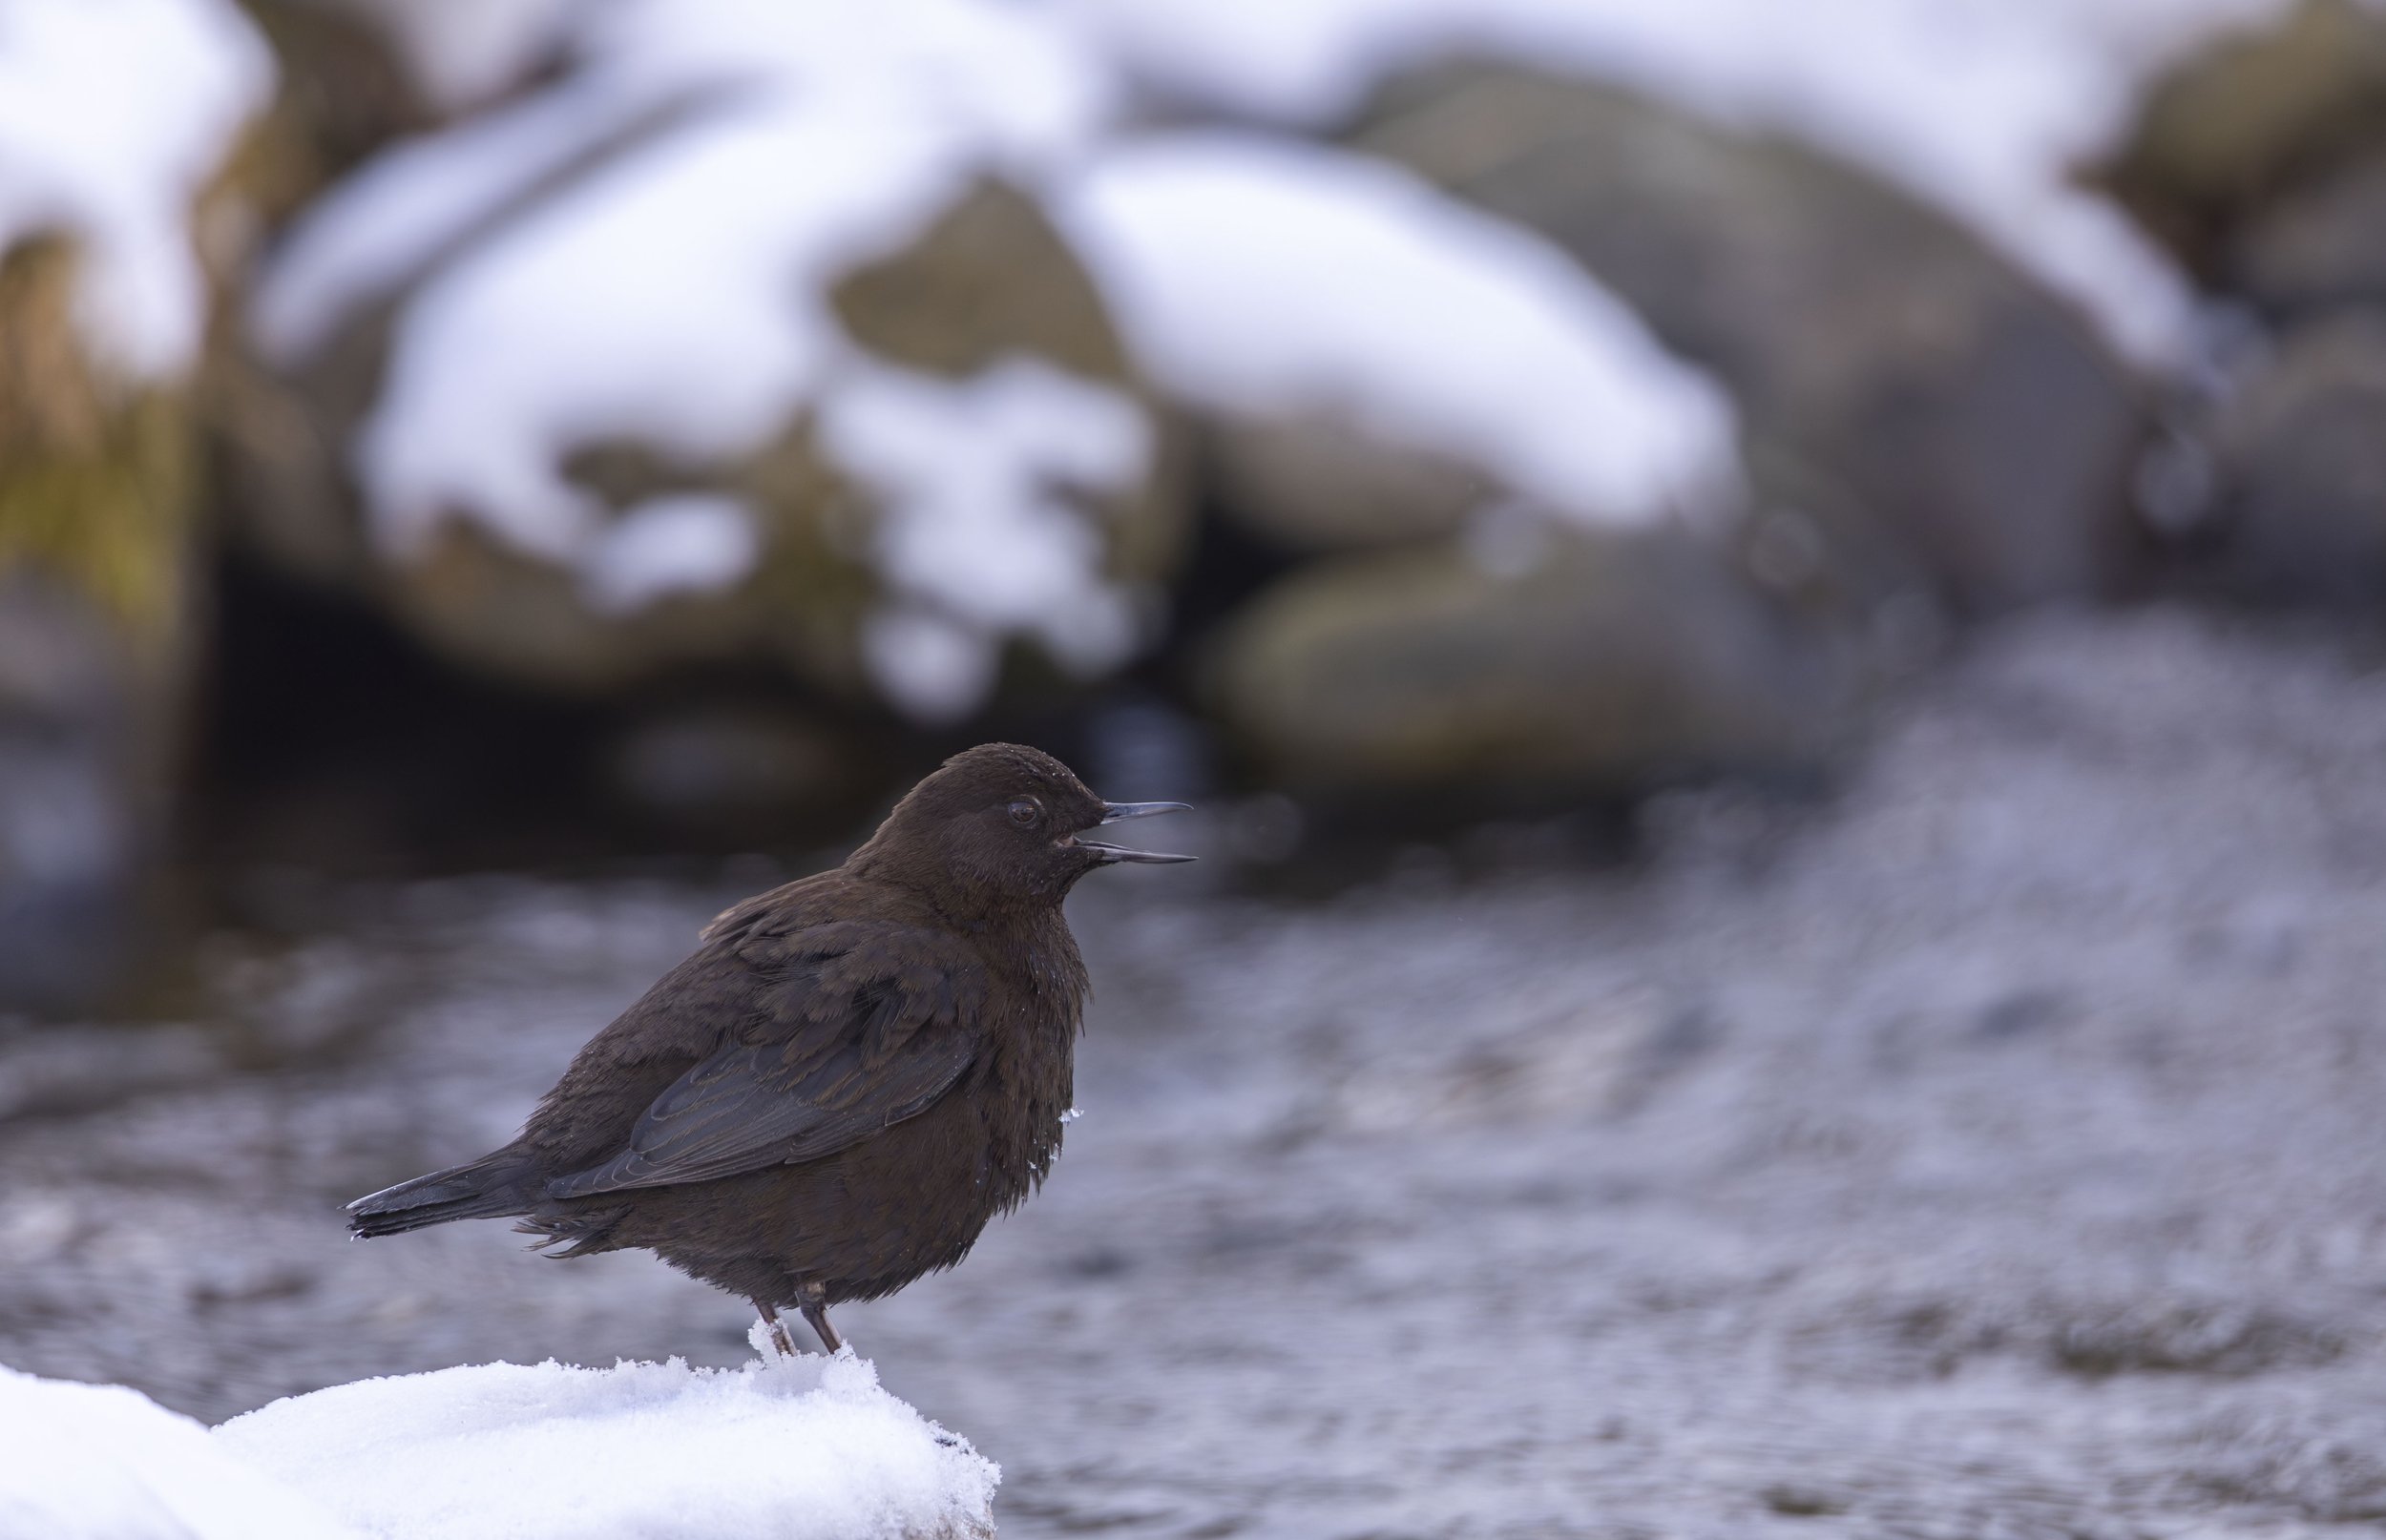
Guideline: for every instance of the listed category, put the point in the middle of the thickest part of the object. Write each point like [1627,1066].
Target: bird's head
[1002,824]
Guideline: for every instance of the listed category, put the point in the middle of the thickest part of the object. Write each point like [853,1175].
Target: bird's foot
[781,1339]
[815,1308]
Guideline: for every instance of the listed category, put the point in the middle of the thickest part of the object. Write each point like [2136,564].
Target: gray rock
[1978,419]
[1312,482]
[2321,244]
[1555,659]
[2303,451]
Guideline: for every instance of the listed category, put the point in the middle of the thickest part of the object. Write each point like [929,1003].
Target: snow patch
[690,543]
[808,1448]
[1983,107]
[1261,275]
[94,1461]
[113,114]
[979,538]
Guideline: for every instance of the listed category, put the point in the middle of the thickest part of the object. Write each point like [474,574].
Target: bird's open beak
[1112,855]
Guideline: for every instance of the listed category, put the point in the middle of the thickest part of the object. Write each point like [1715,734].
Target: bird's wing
[856,1028]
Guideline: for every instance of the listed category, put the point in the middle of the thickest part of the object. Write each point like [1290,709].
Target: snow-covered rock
[113,114]
[1267,281]
[1985,108]
[808,1448]
[1966,418]
[675,258]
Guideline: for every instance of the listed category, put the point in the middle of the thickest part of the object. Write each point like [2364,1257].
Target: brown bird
[848,1078]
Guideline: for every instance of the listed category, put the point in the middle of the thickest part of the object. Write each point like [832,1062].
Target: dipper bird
[848,1078]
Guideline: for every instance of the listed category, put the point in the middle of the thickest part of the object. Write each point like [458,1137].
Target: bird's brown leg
[815,1307]
[779,1333]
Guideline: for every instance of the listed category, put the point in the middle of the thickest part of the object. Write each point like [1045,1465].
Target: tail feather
[484,1188]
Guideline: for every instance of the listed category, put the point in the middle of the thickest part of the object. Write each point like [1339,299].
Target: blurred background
[1773,610]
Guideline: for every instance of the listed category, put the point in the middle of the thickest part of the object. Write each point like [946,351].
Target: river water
[1995,1149]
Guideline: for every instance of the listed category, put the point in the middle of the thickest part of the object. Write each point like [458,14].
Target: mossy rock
[95,535]
[1584,661]
[2245,118]
[987,281]
[94,477]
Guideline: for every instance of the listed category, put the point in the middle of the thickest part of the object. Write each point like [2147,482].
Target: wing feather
[856,1028]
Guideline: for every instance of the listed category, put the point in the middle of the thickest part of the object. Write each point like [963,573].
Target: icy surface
[1992,1150]
[113,114]
[92,1462]
[1270,275]
[804,1449]
[1982,106]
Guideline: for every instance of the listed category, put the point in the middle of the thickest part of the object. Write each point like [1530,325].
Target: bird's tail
[484,1188]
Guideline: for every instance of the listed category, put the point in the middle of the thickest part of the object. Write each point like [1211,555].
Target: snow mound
[1266,275]
[114,113]
[1983,107]
[97,1462]
[808,1448]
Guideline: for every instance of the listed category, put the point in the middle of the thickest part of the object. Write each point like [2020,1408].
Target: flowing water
[1995,1150]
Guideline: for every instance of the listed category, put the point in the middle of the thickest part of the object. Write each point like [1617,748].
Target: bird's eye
[1026,812]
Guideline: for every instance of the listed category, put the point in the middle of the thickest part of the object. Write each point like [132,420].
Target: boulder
[2319,243]
[2234,121]
[1311,481]
[1980,420]
[2303,460]
[918,444]
[1545,661]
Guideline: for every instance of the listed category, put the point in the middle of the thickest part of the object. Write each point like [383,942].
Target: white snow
[979,540]
[1984,106]
[113,114]
[91,1462]
[808,1448]
[1264,274]
[690,542]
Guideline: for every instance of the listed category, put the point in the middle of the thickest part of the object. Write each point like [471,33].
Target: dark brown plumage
[845,1080]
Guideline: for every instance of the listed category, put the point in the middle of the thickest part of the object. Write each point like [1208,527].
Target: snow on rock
[92,1462]
[1253,274]
[1982,106]
[687,543]
[808,1448]
[113,114]
[978,541]
[644,253]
